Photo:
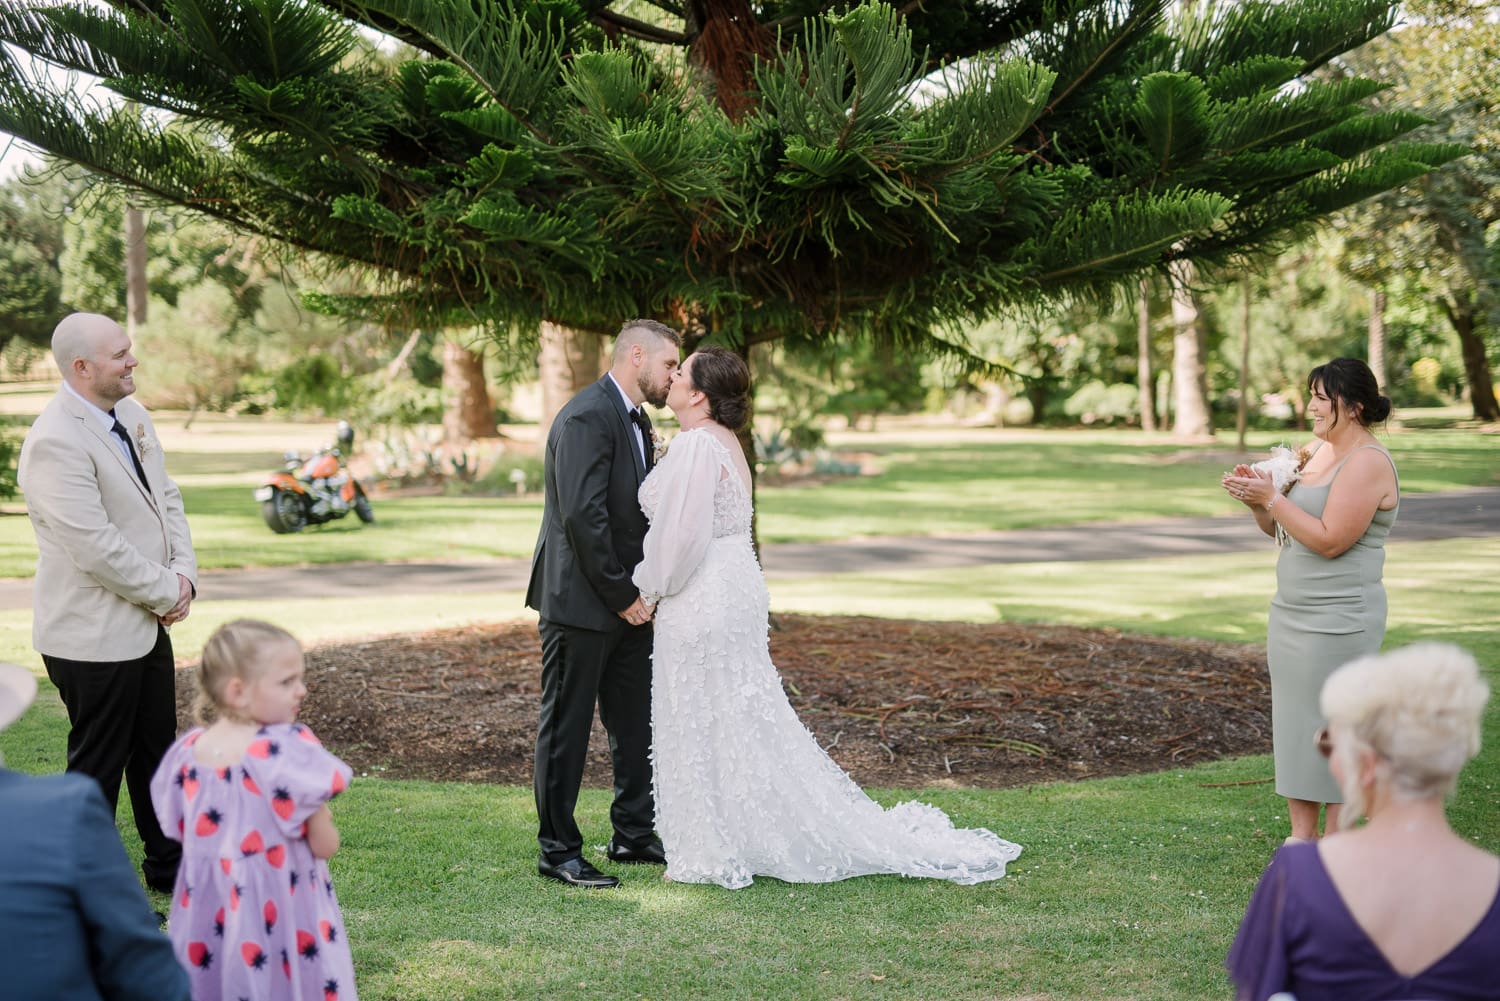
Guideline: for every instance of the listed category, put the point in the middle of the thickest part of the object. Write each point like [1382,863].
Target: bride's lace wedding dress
[742,787]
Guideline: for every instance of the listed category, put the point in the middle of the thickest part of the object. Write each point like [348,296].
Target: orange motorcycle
[314,490]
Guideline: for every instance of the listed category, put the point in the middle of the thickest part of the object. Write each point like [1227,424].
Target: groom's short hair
[635,332]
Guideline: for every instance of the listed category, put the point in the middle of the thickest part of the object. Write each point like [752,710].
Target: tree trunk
[467,410]
[1377,338]
[1242,412]
[728,39]
[1038,394]
[1143,376]
[569,361]
[1189,375]
[1461,314]
[135,270]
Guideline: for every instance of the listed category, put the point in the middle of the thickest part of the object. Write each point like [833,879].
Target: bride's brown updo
[722,376]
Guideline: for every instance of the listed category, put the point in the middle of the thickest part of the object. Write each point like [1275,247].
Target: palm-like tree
[786,168]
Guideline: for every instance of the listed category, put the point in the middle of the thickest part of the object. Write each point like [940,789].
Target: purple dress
[253,914]
[1299,936]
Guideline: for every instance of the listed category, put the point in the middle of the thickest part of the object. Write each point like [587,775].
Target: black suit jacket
[592,526]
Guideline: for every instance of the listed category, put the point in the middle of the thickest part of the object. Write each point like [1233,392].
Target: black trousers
[579,668]
[124,718]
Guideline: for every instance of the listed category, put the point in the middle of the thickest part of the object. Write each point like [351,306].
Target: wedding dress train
[742,787]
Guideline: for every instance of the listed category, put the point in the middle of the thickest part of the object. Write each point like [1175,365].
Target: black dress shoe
[650,853]
[161,885]
[576,872]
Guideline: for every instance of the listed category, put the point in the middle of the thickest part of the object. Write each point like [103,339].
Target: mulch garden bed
[896,703]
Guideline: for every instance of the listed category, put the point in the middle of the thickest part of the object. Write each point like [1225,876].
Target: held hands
[1250,487]
[639,613]
[179,611]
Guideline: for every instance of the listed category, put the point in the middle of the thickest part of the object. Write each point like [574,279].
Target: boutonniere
[144,443]
[658,447]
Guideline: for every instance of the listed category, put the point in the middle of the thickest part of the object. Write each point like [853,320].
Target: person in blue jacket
[75,924]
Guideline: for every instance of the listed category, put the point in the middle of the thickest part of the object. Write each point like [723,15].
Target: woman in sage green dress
[1329,606]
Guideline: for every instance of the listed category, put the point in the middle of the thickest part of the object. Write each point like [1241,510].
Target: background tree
[1439,236]
[93,258]
[1144,372]
[31,247]
[195,350]
[551,161]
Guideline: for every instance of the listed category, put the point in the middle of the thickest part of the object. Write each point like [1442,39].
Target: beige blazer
[108,550]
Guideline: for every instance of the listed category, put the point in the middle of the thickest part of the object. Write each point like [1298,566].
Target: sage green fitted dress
[1326,612]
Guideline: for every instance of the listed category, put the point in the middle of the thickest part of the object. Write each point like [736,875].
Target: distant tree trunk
[1189,376]
[1143,376]
[135,270]
[569,361]
[1242,412]
[1377,338]
[1038,394]
[1462,315]
[467,410]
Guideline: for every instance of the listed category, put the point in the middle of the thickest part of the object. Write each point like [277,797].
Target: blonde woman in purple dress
[253,913]
[1402,907]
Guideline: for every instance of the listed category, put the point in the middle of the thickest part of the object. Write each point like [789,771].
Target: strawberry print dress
[253,913]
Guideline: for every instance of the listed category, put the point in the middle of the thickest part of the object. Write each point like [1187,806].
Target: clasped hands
[179,611]
[639,613]
[1248,486]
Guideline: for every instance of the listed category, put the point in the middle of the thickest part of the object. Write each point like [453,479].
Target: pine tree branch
[639,29]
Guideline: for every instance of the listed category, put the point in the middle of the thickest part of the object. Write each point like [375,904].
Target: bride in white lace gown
[742,787]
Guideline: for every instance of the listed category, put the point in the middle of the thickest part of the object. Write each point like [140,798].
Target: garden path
[1470,513]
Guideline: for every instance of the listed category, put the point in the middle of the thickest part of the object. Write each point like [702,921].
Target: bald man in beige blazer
[115,568]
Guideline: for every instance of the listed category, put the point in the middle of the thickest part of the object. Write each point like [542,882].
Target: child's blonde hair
[235,650]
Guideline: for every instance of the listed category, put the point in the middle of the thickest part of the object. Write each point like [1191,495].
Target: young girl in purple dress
[254,913]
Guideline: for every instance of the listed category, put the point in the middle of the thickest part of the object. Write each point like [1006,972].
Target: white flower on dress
[144,443]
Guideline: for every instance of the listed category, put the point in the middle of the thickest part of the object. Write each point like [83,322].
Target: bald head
[79,335]
[93,353]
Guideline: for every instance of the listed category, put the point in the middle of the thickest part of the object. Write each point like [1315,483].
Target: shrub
[1096,403]
[10,454]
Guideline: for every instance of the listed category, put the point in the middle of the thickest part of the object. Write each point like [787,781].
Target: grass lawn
[929,482]
[1128,888]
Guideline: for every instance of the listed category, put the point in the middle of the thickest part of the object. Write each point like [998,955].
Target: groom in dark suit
[596,631]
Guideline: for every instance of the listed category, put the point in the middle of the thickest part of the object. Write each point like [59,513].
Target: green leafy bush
[1096,403]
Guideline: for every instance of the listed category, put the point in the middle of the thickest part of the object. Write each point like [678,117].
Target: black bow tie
[639,418]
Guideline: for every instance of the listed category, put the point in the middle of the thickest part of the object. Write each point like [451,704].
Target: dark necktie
[639,418]
[119,429]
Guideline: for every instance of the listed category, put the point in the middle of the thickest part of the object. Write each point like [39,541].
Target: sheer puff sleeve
[290,768]
[175,784]
[678,498]
[1258,961]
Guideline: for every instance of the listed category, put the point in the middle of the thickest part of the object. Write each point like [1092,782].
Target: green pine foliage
[501,162]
